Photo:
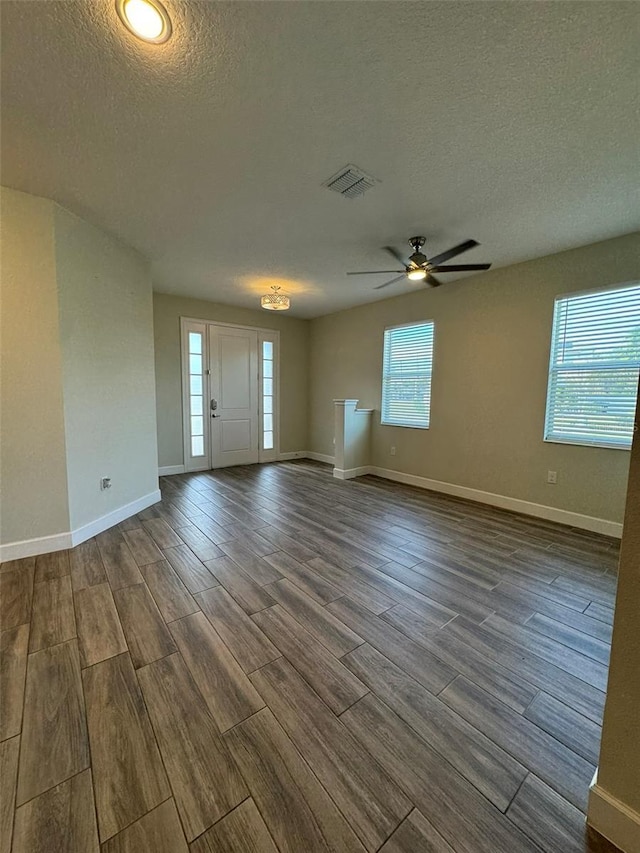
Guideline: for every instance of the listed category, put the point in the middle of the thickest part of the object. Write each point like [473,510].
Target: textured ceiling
[512,123]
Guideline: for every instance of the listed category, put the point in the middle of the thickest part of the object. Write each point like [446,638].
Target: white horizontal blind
[406,375]
[593,373]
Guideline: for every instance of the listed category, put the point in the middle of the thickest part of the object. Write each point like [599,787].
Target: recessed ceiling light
[146,19]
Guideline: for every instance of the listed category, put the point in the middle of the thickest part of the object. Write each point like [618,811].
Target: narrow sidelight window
[196,393]
[267,395]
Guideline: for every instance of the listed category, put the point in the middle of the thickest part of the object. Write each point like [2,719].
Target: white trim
[168,470]
[60,541]
[273,337]
[550,513]
[230,325]
[576,443]
[386,373]
[613,819]
[408,325]
[602,288]
[554,368]
[81,534]
[350,473]
[195,463]
[33,547]
[320,457]
[204,326]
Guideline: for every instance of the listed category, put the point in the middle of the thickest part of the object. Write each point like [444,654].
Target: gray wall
[78,390]
[491,359]
[294,368]
[619,770]
[33,475]
[106,334]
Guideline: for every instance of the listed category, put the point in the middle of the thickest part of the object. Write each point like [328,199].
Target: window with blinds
[406,375]
[593,372]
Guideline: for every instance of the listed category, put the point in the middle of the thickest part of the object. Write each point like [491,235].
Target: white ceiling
[515,124]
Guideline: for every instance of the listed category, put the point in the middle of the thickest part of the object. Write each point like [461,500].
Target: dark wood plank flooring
[274,660]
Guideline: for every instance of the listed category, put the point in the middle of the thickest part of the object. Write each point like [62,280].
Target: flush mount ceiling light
[275,301]
[146,19]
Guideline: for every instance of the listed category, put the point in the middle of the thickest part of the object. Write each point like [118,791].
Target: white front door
[234,405]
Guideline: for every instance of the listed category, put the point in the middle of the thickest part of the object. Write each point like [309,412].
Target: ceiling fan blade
[461,267]
[432,281]
[374,272]
[396,254]
[393,281]
[451,253]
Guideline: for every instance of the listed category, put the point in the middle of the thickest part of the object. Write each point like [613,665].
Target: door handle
[213,415]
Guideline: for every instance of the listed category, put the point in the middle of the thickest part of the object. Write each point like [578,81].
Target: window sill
[405,426]
[577,443]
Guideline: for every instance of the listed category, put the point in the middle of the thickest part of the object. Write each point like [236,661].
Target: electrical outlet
[552,477]
[105,483]
[393,451]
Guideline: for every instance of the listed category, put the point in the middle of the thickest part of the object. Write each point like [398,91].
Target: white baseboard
[320,457]
[33,547]
[613,819]
[60,541]
[549,513]
[168,470]
[81,534]
[350,473]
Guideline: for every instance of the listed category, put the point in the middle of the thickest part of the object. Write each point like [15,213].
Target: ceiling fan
[420,268]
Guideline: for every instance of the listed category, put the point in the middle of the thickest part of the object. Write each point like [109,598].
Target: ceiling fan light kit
[420,268]
[275,301]
[417,275]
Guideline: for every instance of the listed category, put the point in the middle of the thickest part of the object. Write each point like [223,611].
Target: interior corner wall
[491,360]
[77,378]
[294,369]
[106,334]
[619,768]
[33,478]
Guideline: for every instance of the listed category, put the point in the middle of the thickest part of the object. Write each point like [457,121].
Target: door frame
[264,334]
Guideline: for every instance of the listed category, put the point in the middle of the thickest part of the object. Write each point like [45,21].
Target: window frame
[273,453]
[393,328]
[191,324]
[202,462]
[548,436]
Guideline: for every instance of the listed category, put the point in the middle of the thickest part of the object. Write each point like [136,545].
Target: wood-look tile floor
[273,660]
